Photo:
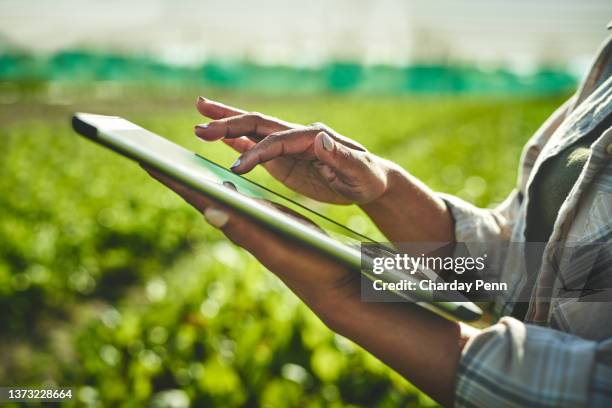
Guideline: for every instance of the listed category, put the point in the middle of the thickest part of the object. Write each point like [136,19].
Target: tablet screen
[145,146]
[257,191]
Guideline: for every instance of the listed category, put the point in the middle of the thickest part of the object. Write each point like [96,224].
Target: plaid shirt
[561,355]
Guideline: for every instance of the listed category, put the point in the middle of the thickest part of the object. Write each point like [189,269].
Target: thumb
[346,163]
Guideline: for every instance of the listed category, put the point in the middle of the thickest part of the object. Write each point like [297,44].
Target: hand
[326,166]
[320,282]
[312,160]
[422,347]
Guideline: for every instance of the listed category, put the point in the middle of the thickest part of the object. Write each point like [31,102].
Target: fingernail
[229,184]
[201,99]
[202,127]
[328,142]
[236,164]
[215,217]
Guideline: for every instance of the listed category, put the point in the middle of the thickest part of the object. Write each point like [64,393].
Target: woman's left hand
[319,281]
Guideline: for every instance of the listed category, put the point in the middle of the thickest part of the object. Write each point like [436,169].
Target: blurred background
[113,286]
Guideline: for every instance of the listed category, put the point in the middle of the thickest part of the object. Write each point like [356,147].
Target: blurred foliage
[451,77]
[112,285]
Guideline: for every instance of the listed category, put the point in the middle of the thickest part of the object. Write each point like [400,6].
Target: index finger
[216,110]
[254,125]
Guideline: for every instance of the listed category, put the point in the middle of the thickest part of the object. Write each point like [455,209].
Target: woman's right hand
[312,160]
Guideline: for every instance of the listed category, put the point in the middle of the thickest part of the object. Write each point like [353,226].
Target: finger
[338,137]
[255,125]
[195,199]
[294,214]
[339,163]
[232,225]
[240,230]
[273,250]
[327,172]
[216,215]
[240,144]
[216,110]
[289,142]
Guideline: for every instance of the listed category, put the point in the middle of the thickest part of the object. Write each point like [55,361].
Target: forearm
[422,347]
[409,211]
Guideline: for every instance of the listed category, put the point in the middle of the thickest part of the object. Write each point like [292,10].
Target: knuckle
[260,146]
[368,159]
[256,116]
[273,141]
[273,138]
[345,154]
[320,126]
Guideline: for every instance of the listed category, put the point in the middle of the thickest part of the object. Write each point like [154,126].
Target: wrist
[408,210]
[394,177]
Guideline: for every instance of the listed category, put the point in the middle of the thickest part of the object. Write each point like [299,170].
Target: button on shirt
[560,354]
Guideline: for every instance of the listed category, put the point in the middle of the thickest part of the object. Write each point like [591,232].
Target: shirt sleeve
[474,224]
[512,364]
[484,232]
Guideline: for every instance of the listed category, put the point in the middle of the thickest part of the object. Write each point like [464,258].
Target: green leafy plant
[113,286]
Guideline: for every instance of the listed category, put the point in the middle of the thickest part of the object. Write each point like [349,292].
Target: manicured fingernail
[328,142]
[201,127]
[215,217]
[236,164]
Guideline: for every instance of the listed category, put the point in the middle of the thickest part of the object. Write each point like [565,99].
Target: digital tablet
[252,200]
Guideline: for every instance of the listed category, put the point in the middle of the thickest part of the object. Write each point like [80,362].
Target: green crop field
[113,286]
